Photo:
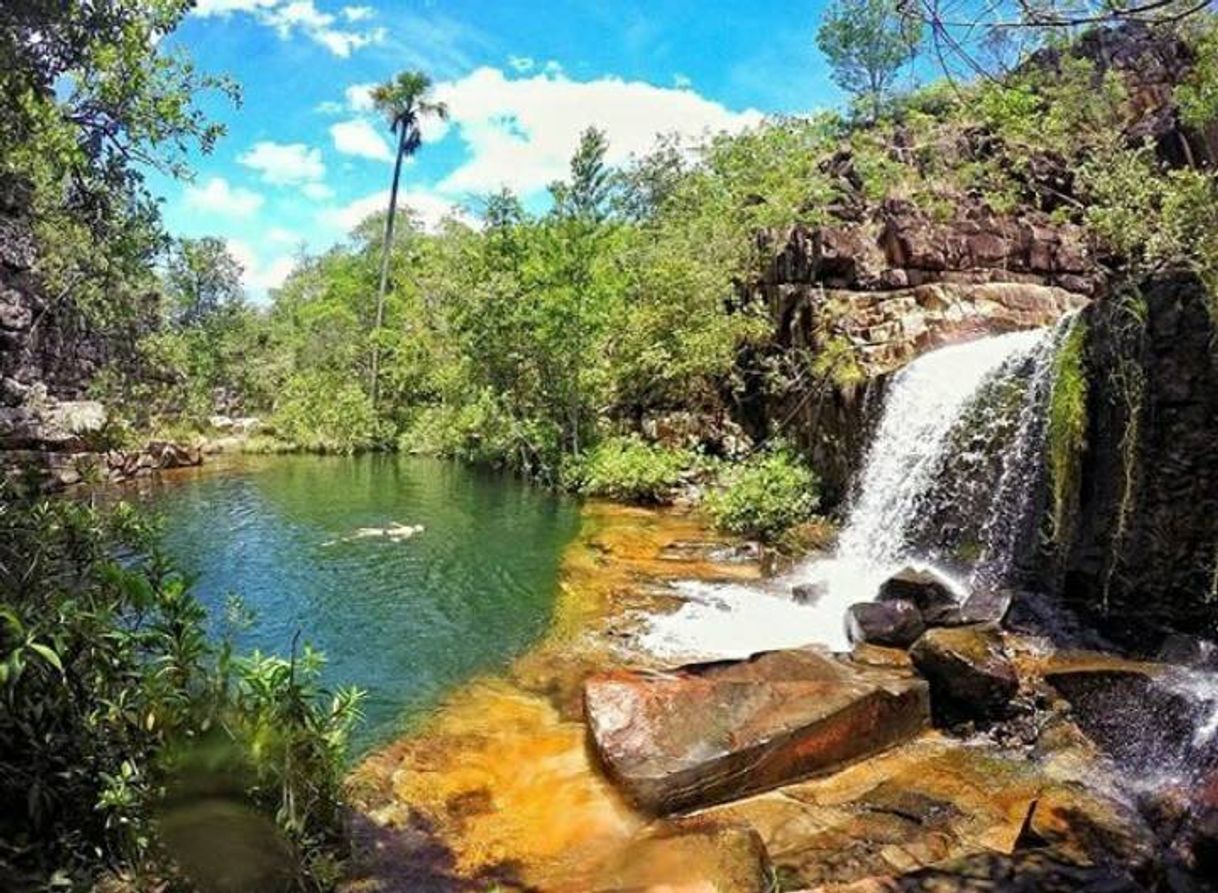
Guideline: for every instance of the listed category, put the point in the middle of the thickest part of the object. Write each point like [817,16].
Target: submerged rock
[690,855]
[896,624]
[704,734]
[809,593]
[1027,872]
[1189,651]
[969,673]
[1146,716]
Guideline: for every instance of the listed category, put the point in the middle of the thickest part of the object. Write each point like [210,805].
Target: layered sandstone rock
[703,734]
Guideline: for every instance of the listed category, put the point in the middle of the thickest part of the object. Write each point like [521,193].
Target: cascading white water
[913,448]
[924,404]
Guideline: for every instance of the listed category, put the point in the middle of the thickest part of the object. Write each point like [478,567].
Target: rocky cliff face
[49,354]
[868,297]
[1142,553]
[42,341]
[1152,62]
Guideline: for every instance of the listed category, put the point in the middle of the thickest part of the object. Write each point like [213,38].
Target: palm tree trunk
[388,247]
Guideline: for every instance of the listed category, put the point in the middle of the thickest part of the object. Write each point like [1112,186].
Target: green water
[404,620]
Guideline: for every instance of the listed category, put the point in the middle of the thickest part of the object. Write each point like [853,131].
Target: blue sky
[305,158]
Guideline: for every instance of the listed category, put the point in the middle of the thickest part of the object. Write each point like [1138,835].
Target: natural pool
[406,619]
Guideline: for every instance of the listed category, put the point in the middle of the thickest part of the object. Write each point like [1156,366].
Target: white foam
[925,400]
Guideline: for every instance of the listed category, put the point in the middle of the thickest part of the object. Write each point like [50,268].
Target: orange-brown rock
[914,805]
[690,856]
[704,734]
[969,673]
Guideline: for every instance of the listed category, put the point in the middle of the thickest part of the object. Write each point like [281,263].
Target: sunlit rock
[708,733]
[969,673]
[690,856]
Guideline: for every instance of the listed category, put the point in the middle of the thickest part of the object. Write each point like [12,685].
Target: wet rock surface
[690,855]
[700,735]
[969,673]
[1138,557]
[894,624]
[927,590]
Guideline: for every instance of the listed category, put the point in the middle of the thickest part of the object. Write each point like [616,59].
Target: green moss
[1067,427]
[837,361]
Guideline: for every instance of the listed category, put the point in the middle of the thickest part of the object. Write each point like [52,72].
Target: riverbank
[502,787]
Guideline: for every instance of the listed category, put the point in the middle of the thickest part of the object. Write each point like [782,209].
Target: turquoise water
[405,620]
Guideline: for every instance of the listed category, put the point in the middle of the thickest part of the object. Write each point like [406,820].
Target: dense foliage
[765,496]
[632,470]
[124,725]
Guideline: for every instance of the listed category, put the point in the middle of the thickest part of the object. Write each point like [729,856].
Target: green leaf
[48,654]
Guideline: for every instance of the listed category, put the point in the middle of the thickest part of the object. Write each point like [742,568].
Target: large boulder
[700,735]
[936,596]
[895,624]
[969,673]
[1150,718]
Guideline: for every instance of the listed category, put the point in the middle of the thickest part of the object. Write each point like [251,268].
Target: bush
[632,470]
[763,497]
[326,413]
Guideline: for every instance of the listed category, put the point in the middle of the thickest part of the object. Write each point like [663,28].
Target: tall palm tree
[404,102]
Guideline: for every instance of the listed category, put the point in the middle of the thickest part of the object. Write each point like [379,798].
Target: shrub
[632,470]
[326,413]
[765,496]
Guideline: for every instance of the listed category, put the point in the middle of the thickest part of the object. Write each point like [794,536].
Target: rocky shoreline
[982,758]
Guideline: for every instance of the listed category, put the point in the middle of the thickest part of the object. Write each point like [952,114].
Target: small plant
[765,496]
[1067,432]
[630,469]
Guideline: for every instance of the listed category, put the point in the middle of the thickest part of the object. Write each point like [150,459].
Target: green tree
[868,42]
[201,279]
[404,101]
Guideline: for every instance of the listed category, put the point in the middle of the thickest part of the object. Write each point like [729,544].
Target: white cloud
[430,208]
[300,17]
[280,236]
[259,277]
[359,97]
[521,132]
[206,8]
[285,163]
[216,196]
[317,191]
[358,137]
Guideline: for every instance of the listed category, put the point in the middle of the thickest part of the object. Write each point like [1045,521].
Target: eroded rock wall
[1142,552]
[42,340]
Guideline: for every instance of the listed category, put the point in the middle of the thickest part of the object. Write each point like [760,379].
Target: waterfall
[947,481]
[912,447]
